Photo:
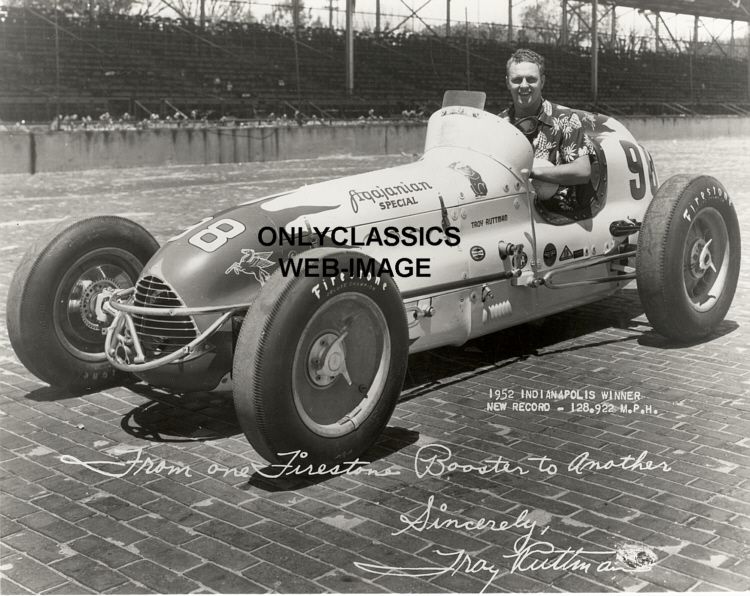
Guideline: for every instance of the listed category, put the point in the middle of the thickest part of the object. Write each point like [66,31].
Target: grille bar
[161,334]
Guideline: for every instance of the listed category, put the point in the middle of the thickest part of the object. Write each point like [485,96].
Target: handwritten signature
[528,555]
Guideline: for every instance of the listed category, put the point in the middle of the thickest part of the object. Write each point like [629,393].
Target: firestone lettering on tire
[327,284]
[711,192]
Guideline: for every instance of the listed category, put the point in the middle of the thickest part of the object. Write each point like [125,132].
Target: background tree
[541,21]
[81,7]
[215,10]
[475,30]
[283,13]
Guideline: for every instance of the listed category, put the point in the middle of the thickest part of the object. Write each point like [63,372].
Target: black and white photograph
[374,296]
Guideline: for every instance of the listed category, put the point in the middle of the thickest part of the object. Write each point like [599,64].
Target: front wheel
[319,364]
[52,320]
[688,257]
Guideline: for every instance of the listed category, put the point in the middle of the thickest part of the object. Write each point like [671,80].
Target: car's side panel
[631,184]
[471,178]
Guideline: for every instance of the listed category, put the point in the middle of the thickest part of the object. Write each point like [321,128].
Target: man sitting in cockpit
[561,149]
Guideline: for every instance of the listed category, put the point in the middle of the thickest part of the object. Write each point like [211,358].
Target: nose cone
[224,260]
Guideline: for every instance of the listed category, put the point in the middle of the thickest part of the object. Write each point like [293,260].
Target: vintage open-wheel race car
[308,303]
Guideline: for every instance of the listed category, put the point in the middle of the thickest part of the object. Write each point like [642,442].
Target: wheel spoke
[101,273]
[707,257]
[345,373]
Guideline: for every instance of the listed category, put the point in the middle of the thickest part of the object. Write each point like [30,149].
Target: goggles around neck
[528,125]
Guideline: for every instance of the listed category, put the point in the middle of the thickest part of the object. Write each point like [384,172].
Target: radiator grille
[161,334]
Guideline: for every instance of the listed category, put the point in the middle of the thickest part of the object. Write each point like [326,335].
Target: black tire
[51,323]
[287,393]
[688,257]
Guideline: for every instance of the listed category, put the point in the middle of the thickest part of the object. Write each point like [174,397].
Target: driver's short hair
[525,55]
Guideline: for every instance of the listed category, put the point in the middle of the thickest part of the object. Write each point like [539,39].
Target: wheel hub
[348,333]
[327,359]
[706,260]
[700,258]
[88,301]
[75,317]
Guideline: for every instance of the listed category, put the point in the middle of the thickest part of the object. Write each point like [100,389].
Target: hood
[225,259]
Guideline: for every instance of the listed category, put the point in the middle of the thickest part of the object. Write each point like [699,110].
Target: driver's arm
[576,172]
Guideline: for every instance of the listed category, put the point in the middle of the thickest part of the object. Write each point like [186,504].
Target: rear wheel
[688,257]
[319,364]
[52,319]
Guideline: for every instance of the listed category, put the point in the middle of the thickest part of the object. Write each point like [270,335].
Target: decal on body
[388,196]
[568,254]
[478,186]
[550,254]
[642,168]
[216,234]
[477,253]
[489,221]
[253,263]
[462,111]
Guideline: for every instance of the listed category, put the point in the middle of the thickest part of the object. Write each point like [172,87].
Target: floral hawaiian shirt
[558,138]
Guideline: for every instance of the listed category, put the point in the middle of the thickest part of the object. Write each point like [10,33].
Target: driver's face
[525,84]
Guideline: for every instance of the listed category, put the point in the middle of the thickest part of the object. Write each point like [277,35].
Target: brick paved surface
[68,529]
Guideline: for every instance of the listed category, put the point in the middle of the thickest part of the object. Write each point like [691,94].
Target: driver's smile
[525,83]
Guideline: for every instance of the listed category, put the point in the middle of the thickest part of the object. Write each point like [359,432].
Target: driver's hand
[544,190]
[539,166]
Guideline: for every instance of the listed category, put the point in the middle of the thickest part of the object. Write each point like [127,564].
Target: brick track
[66,529]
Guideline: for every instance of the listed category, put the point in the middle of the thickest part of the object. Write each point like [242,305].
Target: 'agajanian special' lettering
[386,193]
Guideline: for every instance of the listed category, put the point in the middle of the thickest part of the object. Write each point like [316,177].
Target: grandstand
[57,62]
